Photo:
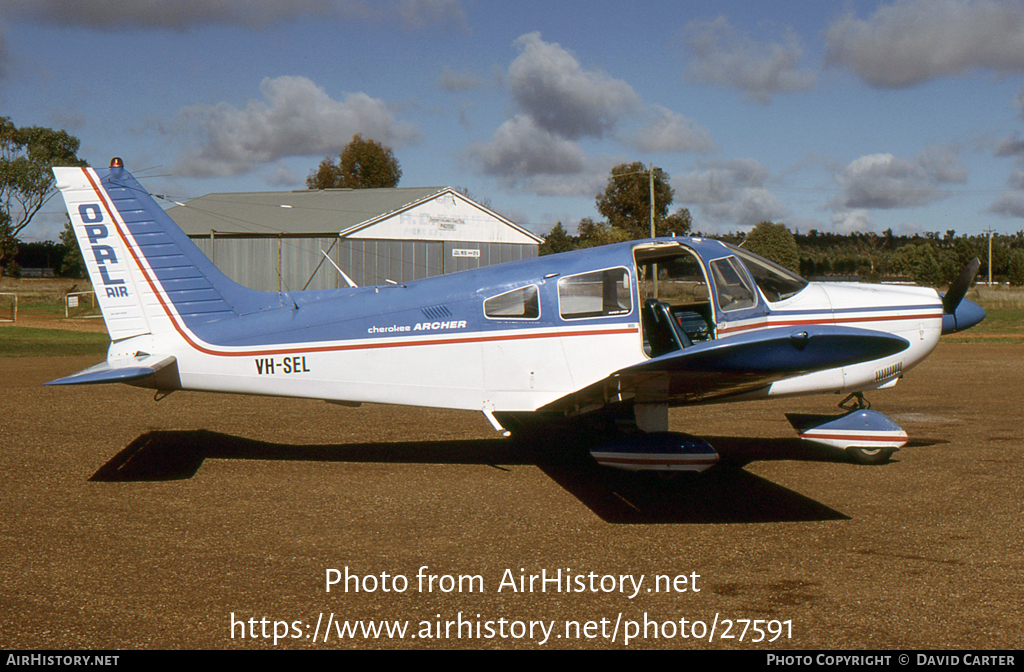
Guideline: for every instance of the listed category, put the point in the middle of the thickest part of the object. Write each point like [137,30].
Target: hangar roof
[325,212]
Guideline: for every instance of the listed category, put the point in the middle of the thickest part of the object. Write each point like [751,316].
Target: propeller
[959,288]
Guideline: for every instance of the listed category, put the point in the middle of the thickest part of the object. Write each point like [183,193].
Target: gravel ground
[130,523]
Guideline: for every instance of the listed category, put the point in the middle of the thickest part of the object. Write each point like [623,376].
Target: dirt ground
[127,523]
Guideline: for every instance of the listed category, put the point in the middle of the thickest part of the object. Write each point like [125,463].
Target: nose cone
[966,315]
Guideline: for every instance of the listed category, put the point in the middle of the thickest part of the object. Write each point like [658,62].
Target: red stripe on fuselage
[833,321]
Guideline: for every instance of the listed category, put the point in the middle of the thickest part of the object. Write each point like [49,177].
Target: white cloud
[884,181]
[672,132]
[1011,147]
[850,221]
[942,163]
[251,14]
[1017,179]
[912,41]
[560,104]
[520,149]
[282,177]
[729,194]
[549,84]
[1009,204]
[297,118]
[722,56]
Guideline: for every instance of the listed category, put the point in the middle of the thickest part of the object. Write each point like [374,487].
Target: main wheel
[869,455]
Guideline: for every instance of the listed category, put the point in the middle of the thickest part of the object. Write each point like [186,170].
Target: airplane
[601,340]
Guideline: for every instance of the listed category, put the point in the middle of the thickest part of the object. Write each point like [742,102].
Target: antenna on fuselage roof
[347,279]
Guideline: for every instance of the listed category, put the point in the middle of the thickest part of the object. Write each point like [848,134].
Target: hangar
[281,241]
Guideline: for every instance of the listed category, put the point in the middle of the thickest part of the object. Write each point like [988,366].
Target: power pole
[650,172]
[989,232]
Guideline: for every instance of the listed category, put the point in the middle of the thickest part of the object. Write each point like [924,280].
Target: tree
[626,202]
[8,243]
[679,222]
[363,164]
[592,234]
[26,181]
[1017,267]
[775,243]
[72,265]
[557,241]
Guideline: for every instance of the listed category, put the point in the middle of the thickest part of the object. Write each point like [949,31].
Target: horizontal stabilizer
[119,371]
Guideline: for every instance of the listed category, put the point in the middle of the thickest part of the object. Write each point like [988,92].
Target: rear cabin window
[598,294]
[731,283]
[519,304]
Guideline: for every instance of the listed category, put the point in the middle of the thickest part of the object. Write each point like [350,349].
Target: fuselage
[516,336]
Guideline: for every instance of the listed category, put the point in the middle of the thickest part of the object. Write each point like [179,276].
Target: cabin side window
[519,304]
[732,285]
[597,294]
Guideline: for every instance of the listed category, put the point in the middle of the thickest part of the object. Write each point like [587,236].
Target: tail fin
[148,276]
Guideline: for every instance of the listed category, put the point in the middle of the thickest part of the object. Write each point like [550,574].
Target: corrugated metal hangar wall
[276,241]
[281,263]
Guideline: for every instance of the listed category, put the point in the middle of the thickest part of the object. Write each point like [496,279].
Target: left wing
[735,365]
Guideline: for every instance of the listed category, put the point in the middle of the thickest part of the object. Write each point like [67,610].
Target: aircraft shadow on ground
[724,494]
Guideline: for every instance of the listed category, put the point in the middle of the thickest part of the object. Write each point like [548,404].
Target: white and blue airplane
[604,339]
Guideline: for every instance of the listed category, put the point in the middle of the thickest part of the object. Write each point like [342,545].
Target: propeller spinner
[959,314]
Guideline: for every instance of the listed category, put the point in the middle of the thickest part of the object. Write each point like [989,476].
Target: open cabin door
[675,300]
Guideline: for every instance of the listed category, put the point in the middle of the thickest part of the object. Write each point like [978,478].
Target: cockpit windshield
[774,281]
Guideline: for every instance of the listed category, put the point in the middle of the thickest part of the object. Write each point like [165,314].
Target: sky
[855,116]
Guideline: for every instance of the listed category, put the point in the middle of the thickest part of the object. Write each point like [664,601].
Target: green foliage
[626,202]
[591,233]
[557,241]
[1016,267]
[678,223]
[775,243]
[26,180]
[363,164]
[8,241]
[72,265]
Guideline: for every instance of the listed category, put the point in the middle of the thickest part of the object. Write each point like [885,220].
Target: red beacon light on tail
[116,162]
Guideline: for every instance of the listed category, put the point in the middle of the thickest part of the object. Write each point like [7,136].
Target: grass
[30,342]
[1004,316]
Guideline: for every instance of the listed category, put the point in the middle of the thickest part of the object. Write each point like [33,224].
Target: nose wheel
[867,436]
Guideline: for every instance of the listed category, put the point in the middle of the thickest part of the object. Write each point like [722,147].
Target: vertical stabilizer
[105,252]
[148,276]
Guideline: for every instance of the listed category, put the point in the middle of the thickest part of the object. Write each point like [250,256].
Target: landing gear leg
[855,402]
